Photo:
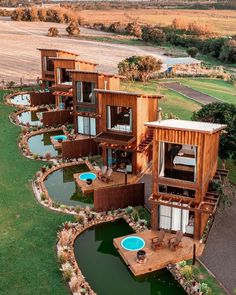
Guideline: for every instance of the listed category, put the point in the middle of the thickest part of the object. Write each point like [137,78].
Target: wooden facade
[122,142]
[57,117]
[41,98]
[112,198]
[98,80]
[185,194]
[47,69]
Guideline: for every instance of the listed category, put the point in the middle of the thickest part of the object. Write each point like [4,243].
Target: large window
[176,219]
[119,160]
[85,92]
[48,64]
[177,161]
[63,77]
[119,118]
[86,125]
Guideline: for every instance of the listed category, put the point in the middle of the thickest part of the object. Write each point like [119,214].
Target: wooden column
[154,216]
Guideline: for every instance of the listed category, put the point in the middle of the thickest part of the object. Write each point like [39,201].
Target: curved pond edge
[8,97]
[24,145]
[42,194]
[65,245]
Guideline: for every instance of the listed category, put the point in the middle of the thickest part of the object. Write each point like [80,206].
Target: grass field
[28,231]
[221,21]
[217,88]
[171,103]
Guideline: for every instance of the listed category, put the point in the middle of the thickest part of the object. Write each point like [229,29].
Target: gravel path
[20,58]
[189,92]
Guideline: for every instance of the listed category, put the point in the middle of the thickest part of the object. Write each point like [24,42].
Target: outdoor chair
[102,172]
[107,177]
[158,242]
[174,242]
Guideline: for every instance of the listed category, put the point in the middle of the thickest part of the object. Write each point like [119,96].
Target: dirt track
[20,59]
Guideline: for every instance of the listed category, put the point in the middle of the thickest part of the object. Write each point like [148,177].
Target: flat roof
[58,50]
[128,93]
[97,72]
[76,59]
[204,127]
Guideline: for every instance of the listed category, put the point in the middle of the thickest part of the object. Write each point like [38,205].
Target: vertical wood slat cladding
[40,98]
[55,118]
[113,198]
[79,148]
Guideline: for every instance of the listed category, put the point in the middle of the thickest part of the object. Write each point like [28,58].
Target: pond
[63,189]
[41,144]
[31,117]
[106,272]
[21,99]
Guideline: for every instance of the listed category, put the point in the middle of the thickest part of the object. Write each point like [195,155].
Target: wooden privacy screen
[55,118]
[112,198]
[79,148]
[40,98]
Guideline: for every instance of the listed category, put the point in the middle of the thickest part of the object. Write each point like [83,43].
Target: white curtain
[58,76]
[165,217]
[195,167]
[80,125]
[92,126]
[108,117]
[161,159]
[176,218]
[185,219]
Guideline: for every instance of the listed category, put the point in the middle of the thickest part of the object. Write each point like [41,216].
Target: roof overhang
[114,138]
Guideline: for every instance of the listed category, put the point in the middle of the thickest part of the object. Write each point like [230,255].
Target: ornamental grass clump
[187,272]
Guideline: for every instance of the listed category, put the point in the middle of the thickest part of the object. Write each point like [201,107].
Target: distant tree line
[192,36]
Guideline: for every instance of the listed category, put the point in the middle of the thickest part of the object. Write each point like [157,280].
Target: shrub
[205,289]
[53,32]
[35,156]
[192,51]
[129,210]
[67,274]
[139,68]
[182,263]
[62,258]
[135,215]
[133,29]
[48,156]
[73,29]
[153,34]
[187,272]
[43,196]
[228,52]
[77,209]
[80,219]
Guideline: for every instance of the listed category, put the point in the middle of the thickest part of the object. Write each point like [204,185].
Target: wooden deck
[160,258]
[58,145]
[117,178]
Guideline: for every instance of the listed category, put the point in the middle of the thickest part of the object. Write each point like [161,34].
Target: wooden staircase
[145,143]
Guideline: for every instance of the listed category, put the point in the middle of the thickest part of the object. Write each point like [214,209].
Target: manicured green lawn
[220,89]
[171,103]
[27,230]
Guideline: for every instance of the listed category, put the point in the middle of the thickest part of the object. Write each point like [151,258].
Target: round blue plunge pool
[60,137]
[133,243]
[87,175]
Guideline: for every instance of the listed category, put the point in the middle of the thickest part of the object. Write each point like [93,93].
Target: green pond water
[41,144]
[105,270]
[30,117]
[21,99]
[63,189]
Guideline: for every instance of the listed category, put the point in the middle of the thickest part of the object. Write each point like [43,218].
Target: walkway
[220,252]
[189,92]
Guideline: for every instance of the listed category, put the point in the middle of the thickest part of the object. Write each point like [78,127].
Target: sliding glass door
[86,125]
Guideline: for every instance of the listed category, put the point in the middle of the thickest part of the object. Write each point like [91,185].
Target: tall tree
[222,113]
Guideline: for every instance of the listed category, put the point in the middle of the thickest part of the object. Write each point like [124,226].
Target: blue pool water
[87,175]
[58,137]
[133,243]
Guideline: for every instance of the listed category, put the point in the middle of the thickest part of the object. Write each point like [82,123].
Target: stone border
[8,97]
[40,189]
[24,146]
[65,245]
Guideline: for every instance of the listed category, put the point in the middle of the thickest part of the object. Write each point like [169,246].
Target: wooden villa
[125,142]
[185,156]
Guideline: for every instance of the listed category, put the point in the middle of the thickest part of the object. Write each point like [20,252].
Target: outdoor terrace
[160,258]
[117,178]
